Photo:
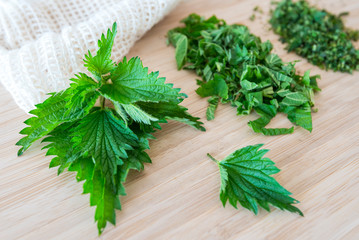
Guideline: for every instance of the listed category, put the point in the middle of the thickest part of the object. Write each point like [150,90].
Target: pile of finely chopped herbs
[237,68]
[317,35]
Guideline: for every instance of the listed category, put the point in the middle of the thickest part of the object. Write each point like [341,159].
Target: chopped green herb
[317,35]
[103,143]
[237,68]
[245,178]
[252,17]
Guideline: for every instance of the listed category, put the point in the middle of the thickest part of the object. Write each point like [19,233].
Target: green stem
[212,158]
[102,102]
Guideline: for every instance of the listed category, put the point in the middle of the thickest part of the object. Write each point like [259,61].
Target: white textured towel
[42,42]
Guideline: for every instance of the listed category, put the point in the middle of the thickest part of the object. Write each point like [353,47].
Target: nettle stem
[102,102]
[212,158]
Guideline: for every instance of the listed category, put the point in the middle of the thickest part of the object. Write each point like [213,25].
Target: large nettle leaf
[103,143]
[237,68]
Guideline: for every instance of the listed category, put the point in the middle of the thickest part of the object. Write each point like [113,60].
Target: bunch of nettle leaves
[103,143]
[237,68]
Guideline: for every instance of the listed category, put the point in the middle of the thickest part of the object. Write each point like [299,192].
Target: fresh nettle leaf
[245,178]
[238,68]
[103,143]
[316,34]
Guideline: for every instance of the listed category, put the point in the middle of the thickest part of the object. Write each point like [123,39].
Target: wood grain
[177,196]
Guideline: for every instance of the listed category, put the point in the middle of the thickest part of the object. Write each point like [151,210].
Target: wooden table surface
[177,197]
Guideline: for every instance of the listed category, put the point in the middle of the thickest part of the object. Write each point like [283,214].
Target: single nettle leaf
[83,95]
[106,139]
[104,196]
[217,86]
[134,112]
[131,83]
[171,111]
[180,41]
[101,63]
[103,193]
[245,178]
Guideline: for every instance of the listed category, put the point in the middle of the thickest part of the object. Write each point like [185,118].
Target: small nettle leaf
[101,63]
[171,111]
[102,144]
[240,69]
[135,113]
[245,178]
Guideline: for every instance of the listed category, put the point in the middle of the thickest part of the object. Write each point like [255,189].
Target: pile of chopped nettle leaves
[102,143]
[237,68]
[317,35]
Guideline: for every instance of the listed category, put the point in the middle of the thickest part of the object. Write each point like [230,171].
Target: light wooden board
[177,196]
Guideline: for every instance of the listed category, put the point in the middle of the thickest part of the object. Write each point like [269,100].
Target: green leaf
[277,77]
[105,198]
[294,99]
[248,86]
[61,146]
[245,178]
[101,63]
[180,41]
[215,87]
[273,60]
[171,111]
[212,106]
[131,83]
[300,116]
[135,113]
[104,194]
[51,113]
[104,138]
[267,112]
[306,78]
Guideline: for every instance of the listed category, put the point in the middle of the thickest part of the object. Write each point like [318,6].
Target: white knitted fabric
[42,42]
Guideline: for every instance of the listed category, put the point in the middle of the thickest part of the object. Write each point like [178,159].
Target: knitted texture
[43,42]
